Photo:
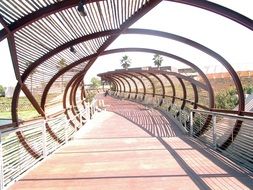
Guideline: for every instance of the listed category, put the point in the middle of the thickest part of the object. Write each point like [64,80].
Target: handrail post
[66,130]
[232,137]
[44,139]
[90,110]
[180,116]
[75,117]
[1,164]
[81,119]
[185,121]
[214,131]
[191,123]
[86,111]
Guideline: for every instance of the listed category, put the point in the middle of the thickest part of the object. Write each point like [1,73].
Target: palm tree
[157,60]
[31,74]
[125,62]
[61,64]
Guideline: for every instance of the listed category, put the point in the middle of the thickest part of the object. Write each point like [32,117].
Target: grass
[27,113]
[23,115]
[5,115]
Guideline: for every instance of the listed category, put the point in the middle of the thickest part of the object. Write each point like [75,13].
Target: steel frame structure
[20,24]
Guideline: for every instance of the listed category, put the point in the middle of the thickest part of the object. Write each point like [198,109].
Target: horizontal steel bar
[223,114]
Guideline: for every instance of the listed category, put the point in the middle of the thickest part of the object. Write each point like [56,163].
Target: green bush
[95,83]
[227,99]
[90,96]
[248,89]
[2,91]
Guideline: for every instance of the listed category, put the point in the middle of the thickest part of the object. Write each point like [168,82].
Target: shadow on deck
[132,147]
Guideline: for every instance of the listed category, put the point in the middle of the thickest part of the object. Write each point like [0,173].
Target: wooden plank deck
[132,148]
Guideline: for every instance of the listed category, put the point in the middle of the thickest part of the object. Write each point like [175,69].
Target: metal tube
[191,123]
[1,164]
[75,127]
[232,116]
[184,121]
[66,130]
[81,119]
[180,116]
[88,111]
[44,139]
[214,131]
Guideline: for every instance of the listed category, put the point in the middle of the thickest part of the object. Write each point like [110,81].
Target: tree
[95,82]
[157,60]
[2,91]
[227,99]
[31,74]
[248,89]
[125,62]
[61,64]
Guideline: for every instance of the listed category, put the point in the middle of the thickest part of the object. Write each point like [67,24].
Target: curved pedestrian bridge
[202,91]
[131,146]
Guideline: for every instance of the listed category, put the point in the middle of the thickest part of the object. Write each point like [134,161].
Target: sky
[231,40]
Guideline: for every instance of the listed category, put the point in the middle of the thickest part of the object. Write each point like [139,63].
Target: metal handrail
[233,116]
[40,138]
[23,125]
[52,116]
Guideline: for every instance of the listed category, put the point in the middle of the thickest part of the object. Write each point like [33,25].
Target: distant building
[165,68]
[222,75]
[186,70]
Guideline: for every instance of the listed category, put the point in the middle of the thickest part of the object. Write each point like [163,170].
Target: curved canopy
[54,43]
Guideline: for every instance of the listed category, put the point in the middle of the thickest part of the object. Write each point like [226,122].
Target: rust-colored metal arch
[129,86]
[66,69]
[117,78]
[232,76]
[161,34]
[117,83]
[119,87]
[160,72]
[151,82]
[219,58]
[161,83]
[69,84]
[72,97]
[173,88]
[146,50]
[120,82]
[116,87]
[211,7]
[69,44]
[196,97]
[134,82]
[184,92]
[35,15]
[112,37]
[61,5]
[112,81]
[142,83]
[215,55]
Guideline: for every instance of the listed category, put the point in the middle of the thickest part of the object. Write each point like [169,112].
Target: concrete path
[131,148]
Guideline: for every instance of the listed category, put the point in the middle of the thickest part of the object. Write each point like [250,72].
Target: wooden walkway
[132,148]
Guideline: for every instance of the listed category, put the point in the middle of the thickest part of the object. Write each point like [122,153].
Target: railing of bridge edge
[44,136]
[219,127]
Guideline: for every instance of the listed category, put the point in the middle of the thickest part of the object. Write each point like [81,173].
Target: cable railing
[213,128]
[24,146]
[221,130]
[14,157]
